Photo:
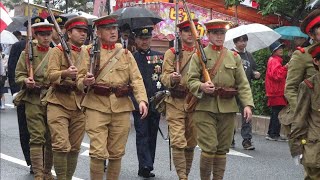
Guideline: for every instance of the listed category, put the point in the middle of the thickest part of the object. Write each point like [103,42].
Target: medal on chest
[156,59]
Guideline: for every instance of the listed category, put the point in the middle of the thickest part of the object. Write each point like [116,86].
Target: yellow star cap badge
[145,31]
[59,20]
[37,20]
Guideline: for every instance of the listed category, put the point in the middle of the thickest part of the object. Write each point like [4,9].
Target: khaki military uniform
[65,118]
[108,117]
[306,127]
[181,127]
[35,112]
[300,67]
[215,116]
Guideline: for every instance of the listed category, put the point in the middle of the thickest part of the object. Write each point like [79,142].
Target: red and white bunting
[5,19]
[250,3]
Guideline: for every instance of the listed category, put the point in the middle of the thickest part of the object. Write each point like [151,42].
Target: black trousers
[24,133]
[146,138]
[274,126]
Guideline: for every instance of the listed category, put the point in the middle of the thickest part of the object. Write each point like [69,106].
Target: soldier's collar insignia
[75,48]
[188,48]
[37,20]
[145,31]
[108,46]
[216,48]
[42,48]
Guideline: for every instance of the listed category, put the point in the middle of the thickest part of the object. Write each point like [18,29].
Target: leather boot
[179,161]
[60,164]
[206,163]
[72,164]
[36,157]
[48,162]
[96,168]
[113,169]
[219,166]
[189,158]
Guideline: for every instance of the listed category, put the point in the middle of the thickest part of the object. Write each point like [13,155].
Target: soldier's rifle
[200,51]
[29,48]
[66,49]
[177,43]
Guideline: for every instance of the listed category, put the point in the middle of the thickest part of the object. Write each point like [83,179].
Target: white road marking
[234,153]
[23,163]
[85,145]
[85,153]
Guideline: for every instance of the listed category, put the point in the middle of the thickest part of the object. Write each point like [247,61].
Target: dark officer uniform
[147,129]
[15,52]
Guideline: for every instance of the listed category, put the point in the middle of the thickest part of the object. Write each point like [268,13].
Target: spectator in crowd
[3,78]
[250,68]
[126,38]
[275,80]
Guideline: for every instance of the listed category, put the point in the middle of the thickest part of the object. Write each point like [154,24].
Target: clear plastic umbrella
[260,36]
[7,37]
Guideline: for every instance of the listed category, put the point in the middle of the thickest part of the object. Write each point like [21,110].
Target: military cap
[217,24]
[106,21]
[35,19]
[275,46]
[310,21]
[60,20]
[186,24]
[145,31]
[76,22]
[42,26]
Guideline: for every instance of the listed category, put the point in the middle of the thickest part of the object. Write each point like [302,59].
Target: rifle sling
[218,63]
[185,64]
[103,68]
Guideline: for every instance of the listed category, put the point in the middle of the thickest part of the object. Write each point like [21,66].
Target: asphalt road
[270,160]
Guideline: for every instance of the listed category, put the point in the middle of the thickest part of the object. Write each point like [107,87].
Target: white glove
[297,159]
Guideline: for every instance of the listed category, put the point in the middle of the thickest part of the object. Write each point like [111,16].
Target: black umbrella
[136,17]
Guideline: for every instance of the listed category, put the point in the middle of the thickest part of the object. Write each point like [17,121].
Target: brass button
[111,71]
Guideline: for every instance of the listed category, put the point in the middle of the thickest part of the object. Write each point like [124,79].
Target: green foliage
[258,86]
[292,10]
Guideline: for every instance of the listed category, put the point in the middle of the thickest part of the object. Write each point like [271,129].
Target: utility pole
[66,6]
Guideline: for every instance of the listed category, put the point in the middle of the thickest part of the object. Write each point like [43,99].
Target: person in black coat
[149,63]
[14,55]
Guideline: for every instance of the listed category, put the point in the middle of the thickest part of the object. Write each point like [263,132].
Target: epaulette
[308,83]
[235,53]
[60,47]
[173,50]
[301,49]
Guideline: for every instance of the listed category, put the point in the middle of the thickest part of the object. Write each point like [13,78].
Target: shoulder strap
[218,63]
[42,64]
[106,63]
[183,66]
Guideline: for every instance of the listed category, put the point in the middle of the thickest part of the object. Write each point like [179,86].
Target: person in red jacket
[275,82]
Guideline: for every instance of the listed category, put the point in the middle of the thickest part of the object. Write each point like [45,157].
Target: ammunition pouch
[179,92]
[37,89]
[224,92]
[66,88]
[105,90]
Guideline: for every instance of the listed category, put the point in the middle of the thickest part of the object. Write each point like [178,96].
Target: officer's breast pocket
[230,69]
[122,72]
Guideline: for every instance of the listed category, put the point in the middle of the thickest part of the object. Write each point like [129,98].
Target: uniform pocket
[122,67]
[230,66]
[311,154]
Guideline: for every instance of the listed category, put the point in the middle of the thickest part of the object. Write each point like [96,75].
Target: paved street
[270,160]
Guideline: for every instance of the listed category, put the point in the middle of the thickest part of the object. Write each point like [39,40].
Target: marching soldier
[65,118]
[107,105]
[149,63]
[31,91]
[305,134]
[181,128]
[300,65]
[15,52]
[55,36]
[215,112]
